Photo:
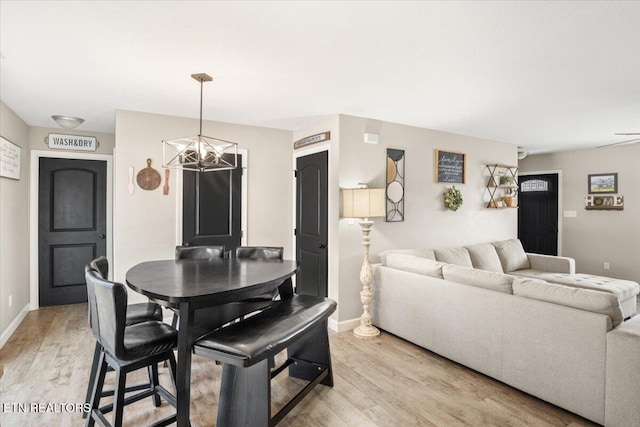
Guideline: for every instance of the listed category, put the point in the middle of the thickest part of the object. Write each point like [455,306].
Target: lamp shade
[363,203]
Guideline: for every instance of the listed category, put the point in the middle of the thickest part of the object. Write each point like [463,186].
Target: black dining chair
[199,252]
[261,252]
[125,349]
[136,313]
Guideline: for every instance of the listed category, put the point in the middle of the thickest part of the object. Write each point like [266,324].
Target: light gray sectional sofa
[564,343]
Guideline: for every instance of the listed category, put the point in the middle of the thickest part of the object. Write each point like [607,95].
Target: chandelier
[199,153]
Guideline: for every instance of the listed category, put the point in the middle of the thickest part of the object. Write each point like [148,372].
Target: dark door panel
[212,208]
[311,224]
[71,226]
[538,213]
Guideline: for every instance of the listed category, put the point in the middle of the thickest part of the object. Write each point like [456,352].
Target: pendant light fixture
[199,153]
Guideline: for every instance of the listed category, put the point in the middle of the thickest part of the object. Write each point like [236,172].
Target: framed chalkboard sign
[450,167]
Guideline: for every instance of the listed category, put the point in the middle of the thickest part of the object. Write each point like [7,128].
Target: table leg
[183,374]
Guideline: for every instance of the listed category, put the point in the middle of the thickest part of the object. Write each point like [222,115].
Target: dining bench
[297,324]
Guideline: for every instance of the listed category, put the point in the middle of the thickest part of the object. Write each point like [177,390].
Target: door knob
[322,246]
[102,236]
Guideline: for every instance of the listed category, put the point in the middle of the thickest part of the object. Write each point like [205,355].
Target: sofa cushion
[512,255]
[485,257]
[623,289]
[583,299]
[480,278]
[457,256]
[415,264]
[422,253]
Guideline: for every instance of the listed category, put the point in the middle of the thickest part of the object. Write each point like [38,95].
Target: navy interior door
[212,208]
[538,213]
[72,226]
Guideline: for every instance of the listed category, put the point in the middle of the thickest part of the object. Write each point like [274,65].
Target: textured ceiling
[543,75]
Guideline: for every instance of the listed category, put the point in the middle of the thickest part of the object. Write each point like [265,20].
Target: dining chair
[199,252]
[195,252]
[136,313]
[261,252]
[125,349]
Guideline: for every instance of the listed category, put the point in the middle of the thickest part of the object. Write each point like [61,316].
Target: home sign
[72,142]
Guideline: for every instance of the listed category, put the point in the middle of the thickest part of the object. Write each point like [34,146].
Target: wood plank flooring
[381,382]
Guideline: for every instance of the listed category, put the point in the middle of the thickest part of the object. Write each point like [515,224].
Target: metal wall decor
[395,185]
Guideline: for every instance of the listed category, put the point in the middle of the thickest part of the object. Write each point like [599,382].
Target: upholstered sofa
[568,345]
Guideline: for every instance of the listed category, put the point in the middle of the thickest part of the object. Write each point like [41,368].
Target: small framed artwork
[450,167]
[603,183]
[10,155]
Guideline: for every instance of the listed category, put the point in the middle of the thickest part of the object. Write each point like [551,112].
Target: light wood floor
[382,382]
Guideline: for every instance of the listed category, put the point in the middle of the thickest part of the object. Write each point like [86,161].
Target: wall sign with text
[72,142]
[321,137]
[9,159]
[450,167]
[604,203]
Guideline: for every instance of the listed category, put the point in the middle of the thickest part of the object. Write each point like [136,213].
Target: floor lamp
[364,203]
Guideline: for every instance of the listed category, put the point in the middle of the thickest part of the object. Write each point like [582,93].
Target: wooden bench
[299,324]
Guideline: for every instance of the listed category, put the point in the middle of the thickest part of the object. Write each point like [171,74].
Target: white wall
[145,222]
[427,223]
[593,237]
[14,228]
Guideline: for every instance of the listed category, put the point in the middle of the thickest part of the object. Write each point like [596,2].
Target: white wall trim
[13,325]
[560,209]
[33,210]
[345,325]
[245,200]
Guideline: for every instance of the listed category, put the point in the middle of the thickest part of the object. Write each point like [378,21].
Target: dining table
[190,285]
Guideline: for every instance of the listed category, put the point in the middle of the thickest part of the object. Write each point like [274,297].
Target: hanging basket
[452,198]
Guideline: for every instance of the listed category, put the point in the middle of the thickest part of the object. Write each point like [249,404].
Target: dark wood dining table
[189,285]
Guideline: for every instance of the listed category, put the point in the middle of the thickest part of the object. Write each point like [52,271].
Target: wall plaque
[72,142]
[324,136]
[450,167]
[9,159]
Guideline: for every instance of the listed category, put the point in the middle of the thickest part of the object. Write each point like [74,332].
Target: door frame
[34,188]
[560,210]
[243,214]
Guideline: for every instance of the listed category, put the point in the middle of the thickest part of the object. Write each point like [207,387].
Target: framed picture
[10,155]
[603,183]
[450,167]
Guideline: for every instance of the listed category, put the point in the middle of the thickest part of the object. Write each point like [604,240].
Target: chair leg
[118,397]
[252,387]
[96,393]
[172,371]
[92,376]
[153,381]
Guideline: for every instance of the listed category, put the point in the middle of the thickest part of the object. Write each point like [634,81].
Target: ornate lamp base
[366,329]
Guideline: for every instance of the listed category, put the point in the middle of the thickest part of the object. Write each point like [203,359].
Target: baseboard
[13,326]
[345,325]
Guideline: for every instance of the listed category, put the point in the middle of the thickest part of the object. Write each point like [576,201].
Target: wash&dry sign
[72,142]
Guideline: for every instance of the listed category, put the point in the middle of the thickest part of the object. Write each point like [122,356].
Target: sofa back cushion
[422,253]
[415,264]
[483,279]
[512,255]
[485,257]
[583,299]
[457,256]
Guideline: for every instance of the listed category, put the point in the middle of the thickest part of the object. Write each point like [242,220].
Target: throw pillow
[512,255]
[457,256]
[485,257]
